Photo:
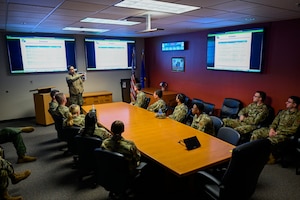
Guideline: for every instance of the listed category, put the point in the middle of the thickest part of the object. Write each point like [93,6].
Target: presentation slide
[111,54]
[43,54]
[233,51]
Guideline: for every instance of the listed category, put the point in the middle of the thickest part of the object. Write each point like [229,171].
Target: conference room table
[160,139]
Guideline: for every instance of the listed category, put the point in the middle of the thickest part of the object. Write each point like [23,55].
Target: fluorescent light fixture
[109,21]
[85,29]
[156,6]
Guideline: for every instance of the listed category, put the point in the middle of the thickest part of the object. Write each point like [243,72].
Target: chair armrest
[205,176]
[141,166]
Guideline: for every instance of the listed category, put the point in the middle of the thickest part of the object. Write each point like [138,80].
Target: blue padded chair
[229,135]
[217,123]
[230,108]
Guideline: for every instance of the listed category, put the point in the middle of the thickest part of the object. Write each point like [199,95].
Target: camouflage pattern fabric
[159,104]
[125,147]
[203,123]
[6,169]
[52,107]
[254,113]
[286,123]
[13,135]
[179,113]
[102,133]
[140,98]
[75,85]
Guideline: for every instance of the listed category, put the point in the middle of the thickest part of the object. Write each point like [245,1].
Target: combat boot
[27,129]
[5,196]
[24,159]
[17,177]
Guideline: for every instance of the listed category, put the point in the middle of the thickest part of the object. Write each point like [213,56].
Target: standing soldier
[75,84]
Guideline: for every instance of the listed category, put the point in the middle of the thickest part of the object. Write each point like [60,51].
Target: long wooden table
[158,139]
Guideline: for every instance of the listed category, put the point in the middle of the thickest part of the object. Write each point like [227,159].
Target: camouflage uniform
[77,121]
[125,147]
[75,85]
[140,99]
[203,123]
[6,170]
[285,124]
[254,113]
[179,112]
[62,111]
[102,133]
[52,107]
[13,135]
[159,104]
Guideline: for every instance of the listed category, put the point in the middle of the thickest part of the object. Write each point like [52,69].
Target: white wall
[17,101]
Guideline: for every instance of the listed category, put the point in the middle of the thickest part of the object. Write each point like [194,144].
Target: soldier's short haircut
[200,106]
[296,100]
[262,94]
[138,86]
[53,93]
[117,127]
[59,97]
[159,93]
[181,97]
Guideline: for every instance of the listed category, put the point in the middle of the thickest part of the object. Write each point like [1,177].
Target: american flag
[132,79]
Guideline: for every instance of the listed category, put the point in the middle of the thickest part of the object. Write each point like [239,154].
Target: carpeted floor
[54,178]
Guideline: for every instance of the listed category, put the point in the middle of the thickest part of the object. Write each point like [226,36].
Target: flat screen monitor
[238,50]
[109,54]
[34,54]
[173,46]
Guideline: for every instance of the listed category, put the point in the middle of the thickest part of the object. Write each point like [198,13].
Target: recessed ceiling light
[156,6]
[109,21]
[85,29]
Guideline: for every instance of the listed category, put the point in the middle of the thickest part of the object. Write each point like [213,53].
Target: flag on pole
[132,79]
[143,78]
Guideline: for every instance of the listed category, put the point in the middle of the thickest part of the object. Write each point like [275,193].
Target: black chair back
[112,171]
[69,133]
[208,108]
[246,164]
[230,108]
[58,123]
[241,176]
[85,147]
[146,102]
[229,135]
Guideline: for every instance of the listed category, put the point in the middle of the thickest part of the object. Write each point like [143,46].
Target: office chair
[217,123]
[86,163]
[69,133]
[112,173]
[298,157]
[240,179]
[58,124]
[230,108]
[208,108]
[146,102]
[229,135]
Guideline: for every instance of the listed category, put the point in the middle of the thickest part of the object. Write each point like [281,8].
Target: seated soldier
[6,172]
[285,124]
[202,121]
[10,134]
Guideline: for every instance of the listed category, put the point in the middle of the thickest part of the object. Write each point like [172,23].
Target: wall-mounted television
[236,50]
[34,54]
[109,54]
[173,46]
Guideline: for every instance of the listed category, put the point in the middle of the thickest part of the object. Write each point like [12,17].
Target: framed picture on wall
[178,64]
